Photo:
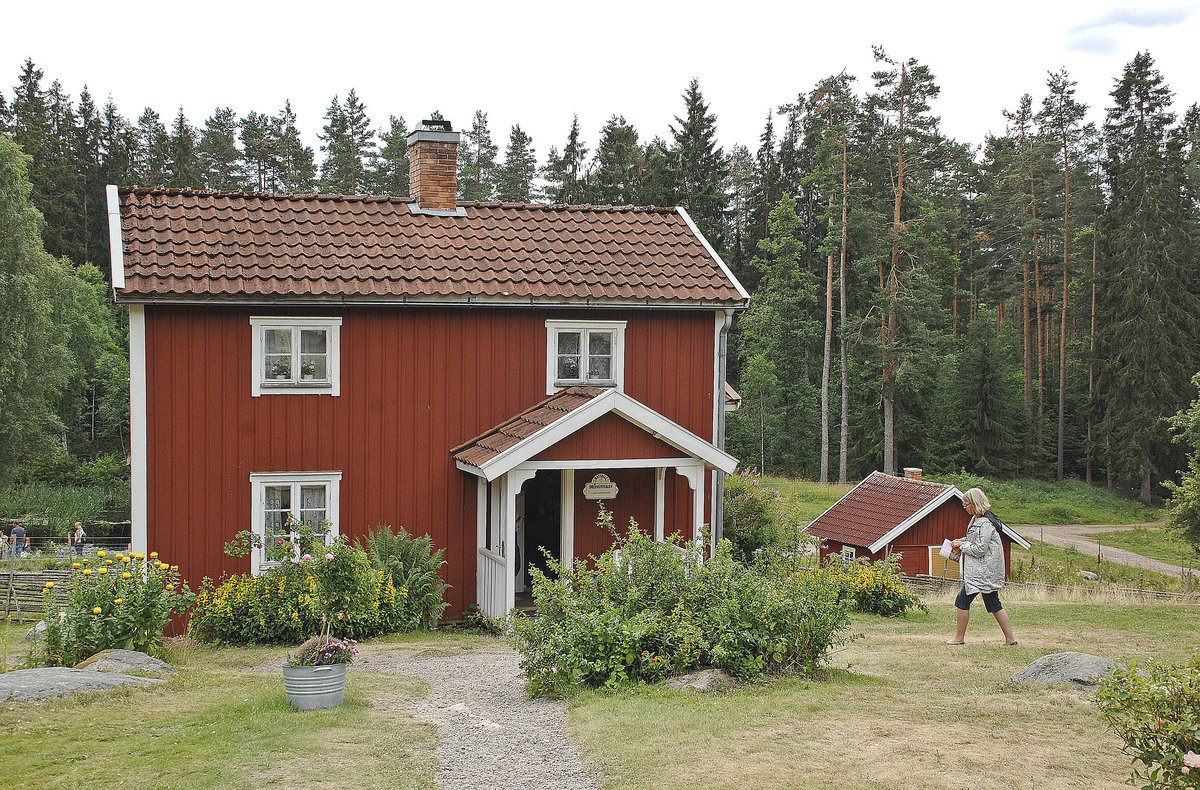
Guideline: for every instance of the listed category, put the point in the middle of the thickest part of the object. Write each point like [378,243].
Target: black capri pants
[991,600]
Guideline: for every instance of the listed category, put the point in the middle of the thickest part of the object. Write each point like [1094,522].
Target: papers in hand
[946,550]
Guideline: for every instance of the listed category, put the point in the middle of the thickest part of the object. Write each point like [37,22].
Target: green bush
[645,610]
[52,508]
[753,514]
[414,566]
[1155,710]
[120,602]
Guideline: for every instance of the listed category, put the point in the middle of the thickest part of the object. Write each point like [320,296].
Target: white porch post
[660,502]
[566,518]
[510,486]
[695,478]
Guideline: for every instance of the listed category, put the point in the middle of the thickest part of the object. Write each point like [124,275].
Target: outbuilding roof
[881,508]
[195,245]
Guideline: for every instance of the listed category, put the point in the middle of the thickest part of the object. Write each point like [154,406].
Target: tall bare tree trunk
[891,293]
[1025,332]
[844,446]
[827,360]
[1062,340]
[1092,347]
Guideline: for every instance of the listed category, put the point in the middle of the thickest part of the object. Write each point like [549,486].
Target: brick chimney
[433,167]
[912,473]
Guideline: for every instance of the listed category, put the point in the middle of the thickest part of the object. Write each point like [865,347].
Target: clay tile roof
[187,244]
[873,508]
[487,446]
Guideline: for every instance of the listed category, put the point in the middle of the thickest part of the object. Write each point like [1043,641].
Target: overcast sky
[537,63]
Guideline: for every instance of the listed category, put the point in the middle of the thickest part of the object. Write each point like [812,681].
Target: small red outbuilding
[885,515]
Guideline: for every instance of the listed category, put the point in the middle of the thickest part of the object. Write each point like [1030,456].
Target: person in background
[77,538]
[982,566]
[18,539]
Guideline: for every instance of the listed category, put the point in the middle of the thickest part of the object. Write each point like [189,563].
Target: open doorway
[542,524]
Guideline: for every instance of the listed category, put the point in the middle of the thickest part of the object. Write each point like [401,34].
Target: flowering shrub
[123,601]
[646,610]
[871,587]
[319,651]
[753,514]
[1155,710]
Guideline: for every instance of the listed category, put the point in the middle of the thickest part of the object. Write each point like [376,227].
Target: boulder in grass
[126,662]
[35,634]
[33,684]
[1080,669]
[704,680]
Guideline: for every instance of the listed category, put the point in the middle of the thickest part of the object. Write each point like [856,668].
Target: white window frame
[332,326]
[848,552]
[554,327]
[258,485]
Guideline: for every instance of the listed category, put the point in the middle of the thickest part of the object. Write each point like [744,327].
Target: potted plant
[316,676]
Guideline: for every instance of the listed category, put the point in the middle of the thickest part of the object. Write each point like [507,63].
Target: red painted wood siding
[948,521]
[635,499]
[610,437]
[415,382]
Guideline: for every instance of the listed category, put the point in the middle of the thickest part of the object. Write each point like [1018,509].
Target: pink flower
[1191,760]
[306,557]
[328,556]
[341,615]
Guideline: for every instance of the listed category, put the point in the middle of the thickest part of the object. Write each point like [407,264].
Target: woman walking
[982,558]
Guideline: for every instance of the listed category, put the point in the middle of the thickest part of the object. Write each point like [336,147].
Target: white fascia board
[674,434]
[725,269]
[116,252]
[139,446]
[904,525]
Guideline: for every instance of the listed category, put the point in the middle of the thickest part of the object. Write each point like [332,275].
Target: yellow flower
[120,555]
[49,585]
[100,553]
[74,564]
[88,571]
[174,567]
[162,566]
[170,586]
[126,575]
[117,601]
[96,610]
[108,562]
[153,555]
[125,560]
[103,570]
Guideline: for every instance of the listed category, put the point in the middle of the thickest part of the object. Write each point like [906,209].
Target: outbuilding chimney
[912,473]
[433,167]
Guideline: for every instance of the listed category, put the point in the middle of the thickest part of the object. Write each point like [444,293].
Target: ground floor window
[283,499]
[848,552]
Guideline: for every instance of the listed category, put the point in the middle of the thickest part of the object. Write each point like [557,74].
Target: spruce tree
[93,201]
[293,162]
[615,179]
[221,162]
[152,155]
[514,179]
[699,166]
[348,143]
[1149,302]
[260,151]
[564,173]
[183,165]
[389,170]
[477,161]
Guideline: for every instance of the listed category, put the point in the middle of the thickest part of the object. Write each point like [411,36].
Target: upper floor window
[585,352]
[296,355]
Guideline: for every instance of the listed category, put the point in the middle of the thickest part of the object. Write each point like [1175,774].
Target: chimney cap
[432,125]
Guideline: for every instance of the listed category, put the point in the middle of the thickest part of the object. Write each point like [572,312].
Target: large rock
[1081,669]
[704,680]
[126,661]
[32,684]
[35,634]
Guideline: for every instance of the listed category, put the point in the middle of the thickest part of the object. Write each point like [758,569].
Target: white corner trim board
[720,262]
[139,446]
[116,252]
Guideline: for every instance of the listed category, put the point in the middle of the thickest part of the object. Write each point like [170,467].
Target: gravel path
[1074,536]
[491,734]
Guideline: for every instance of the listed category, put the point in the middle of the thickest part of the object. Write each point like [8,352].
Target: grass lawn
[216,725]
[1155,542]
[1046,564]
[1020,501]
[898,709]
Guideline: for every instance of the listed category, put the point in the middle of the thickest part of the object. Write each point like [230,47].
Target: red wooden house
[885,515]
[484,372]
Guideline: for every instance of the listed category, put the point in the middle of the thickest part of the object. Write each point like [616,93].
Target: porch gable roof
[519,439]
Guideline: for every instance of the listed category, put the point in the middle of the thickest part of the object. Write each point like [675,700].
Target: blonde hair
[978,500]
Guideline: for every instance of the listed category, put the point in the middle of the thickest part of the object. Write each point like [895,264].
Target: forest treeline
[1024,305]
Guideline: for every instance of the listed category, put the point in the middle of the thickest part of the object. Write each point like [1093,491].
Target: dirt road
[1075,536]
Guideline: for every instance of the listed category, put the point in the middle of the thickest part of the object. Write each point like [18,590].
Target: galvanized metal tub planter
[309,688]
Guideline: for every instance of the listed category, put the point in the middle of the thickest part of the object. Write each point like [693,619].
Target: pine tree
[221,162]
[699,166]
[293,162]
[86,145]
[514,179]
[564,173]
[261,153]
[389,170]
[1149,284]
[349,143]
[616,175]
[477,161]
[183,165]
[152,156]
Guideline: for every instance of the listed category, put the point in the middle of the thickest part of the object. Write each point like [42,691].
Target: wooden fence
[21,592]
[923,582]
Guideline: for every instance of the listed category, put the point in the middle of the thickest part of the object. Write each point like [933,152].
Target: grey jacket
[983,555]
